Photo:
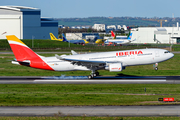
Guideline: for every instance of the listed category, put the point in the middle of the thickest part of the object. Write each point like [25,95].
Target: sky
[101,8]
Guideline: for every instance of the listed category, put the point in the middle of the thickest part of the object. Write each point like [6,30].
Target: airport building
[164,35]
[99,27]
[80,36]
[25,23]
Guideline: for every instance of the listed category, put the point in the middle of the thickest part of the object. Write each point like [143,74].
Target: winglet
[58,57]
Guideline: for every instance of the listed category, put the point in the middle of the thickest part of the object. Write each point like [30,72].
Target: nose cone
[171,55]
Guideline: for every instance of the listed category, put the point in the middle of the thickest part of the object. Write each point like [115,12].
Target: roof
[161,29]
[19,8]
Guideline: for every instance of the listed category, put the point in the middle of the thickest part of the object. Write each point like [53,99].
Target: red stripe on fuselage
[23,53]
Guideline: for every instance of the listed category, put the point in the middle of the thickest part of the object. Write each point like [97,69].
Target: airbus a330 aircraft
[115,61]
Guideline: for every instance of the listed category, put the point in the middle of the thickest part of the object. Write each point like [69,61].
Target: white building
[25,23]
[74,36]
[111,27]
[124,27]
[167,35]
[99,27]
[119,27]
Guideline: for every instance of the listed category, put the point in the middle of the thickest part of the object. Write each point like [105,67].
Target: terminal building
[25,23]
[161,35]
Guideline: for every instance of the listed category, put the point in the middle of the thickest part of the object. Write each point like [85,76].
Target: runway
[159,110]
[85,80]
[169,110]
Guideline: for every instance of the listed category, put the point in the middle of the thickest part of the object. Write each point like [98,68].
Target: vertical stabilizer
[113,35]
[130,36]
[24,54]
[64,38]
[52,36]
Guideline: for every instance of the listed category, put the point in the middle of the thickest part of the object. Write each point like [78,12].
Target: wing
[87,63]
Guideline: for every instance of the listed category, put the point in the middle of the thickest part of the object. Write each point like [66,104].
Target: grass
[86,94]
[58,46]
[170,67]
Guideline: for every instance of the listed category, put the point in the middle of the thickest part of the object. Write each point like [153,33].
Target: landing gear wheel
[156,68]
[90,77]
[94,75]
[97,73]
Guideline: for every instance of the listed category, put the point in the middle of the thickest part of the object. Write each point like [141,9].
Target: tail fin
[64,38]
[113,35]
[24,55]
[20,50]
[130,36]
[86,42]
[52,36]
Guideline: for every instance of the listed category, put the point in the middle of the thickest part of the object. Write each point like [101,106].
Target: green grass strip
[86,94]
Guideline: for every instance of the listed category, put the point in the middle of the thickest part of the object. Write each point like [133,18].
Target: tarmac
[133,111]
[85,80]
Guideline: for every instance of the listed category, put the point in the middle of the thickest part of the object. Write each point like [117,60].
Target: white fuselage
[117,41]
[126,57]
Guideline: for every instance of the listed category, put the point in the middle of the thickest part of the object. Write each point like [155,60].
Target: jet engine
[114,67]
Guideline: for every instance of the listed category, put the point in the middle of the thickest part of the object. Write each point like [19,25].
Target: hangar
[25,23]
[164,35]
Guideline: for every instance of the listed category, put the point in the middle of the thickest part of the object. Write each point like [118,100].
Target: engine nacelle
[114,67]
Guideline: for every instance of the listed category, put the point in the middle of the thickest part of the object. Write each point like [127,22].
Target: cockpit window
[166,52]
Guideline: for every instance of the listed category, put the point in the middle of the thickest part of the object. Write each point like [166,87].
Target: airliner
[117,37]
[74,41]
[99,41]
[65,40]
[114,61]
[119,41]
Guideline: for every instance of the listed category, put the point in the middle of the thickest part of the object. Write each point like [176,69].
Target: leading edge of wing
[82,61]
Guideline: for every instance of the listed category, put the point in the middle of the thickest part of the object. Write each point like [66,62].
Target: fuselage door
[156,53]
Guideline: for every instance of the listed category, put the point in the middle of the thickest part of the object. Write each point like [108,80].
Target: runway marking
[99,80]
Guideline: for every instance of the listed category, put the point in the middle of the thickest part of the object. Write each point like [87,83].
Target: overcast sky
[101,8]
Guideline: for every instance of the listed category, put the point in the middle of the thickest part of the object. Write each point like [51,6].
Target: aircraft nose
[171,55]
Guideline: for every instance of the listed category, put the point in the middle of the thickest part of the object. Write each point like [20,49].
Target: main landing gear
[93,74]
[156,66]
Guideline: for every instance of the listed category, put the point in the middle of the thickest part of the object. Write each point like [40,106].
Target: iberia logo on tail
[23,53]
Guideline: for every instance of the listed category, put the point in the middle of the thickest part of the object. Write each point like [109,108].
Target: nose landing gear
[156,66]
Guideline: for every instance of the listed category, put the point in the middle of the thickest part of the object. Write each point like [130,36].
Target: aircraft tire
[156,68]
[94,75]
[97,73]
[90,76]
